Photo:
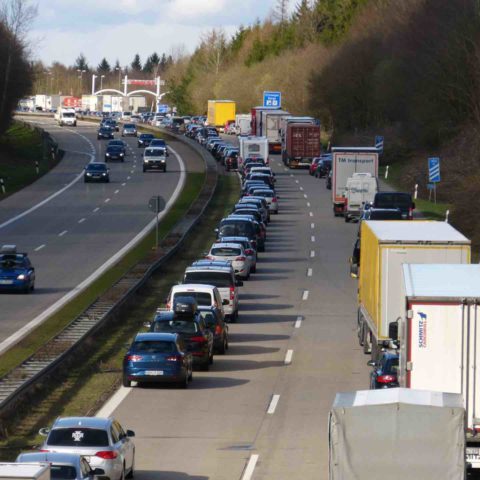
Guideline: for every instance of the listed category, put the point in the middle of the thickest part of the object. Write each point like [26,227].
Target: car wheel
[122,476]
[210,358]
[254,269]
[131,473]
[223,348]
[206,366]
[183,383]
[190,375]
[32,287]
[126,382]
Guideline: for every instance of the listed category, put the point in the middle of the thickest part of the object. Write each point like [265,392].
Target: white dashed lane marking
[81,220]
[273,404]
[298,322]
[107,200]
[40,247]
[309,272]
[288,357]
[305,295]
[61,234]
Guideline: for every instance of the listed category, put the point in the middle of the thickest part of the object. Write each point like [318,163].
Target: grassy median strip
[84,387]
[20,148]
[31,343]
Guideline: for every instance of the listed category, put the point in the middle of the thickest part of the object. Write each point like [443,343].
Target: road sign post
[156,204]
[379,143]
[272,99]
[434,174]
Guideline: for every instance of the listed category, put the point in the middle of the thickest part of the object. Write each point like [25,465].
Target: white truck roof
[26,471]
[413,231]
[442,281]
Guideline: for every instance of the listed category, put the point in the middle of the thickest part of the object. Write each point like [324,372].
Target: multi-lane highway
[70,228]
[261,412]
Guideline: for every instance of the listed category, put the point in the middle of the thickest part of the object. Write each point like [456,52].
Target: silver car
[248,246]
[235,253]
[129,129]
[102,441]
[270,197]
[64,466]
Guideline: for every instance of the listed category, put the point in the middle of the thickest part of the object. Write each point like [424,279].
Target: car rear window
[386,200]
[217,279]
[175,326]
[154,152]
[202,298]
[209,318]
[226,252]
[236,229]
[386,215]
[78,437]
[63,472]
[154,346]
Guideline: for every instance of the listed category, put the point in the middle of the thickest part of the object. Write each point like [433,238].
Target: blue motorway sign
[434,169]
[379,142]
[272,99]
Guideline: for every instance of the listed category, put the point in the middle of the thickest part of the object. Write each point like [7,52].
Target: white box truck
[24,471]
[243,123]
[270,127]
[396,434]
[438,337]
[253,147]
[384,247]
[360,189]
[345,162]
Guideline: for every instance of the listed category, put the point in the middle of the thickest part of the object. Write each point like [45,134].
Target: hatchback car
[64,466]
[157,357]
[105,133]
[215,322]
[323,167]
[234,253]
[114,152]
[101,441]
[385,371]
[96,172]
[129,129]
[144,139]
[16,270]
[191,328]
[270,196]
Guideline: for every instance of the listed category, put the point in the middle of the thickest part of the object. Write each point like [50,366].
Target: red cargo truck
[301,144]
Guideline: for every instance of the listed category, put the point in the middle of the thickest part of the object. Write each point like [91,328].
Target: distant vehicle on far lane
[105,133]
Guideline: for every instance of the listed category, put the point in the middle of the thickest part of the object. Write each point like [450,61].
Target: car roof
[229,238]
[193,287]
[210,268]
[52,457]
[226,244]
[154,336]
[87,422]
[207,262]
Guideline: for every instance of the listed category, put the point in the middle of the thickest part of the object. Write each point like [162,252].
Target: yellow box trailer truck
[219,112]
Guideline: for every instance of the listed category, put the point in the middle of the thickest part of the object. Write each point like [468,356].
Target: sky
[121,28]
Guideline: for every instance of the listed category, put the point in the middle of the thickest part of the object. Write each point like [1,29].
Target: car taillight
[218,329]
[107,454]
[240,259]
[174,358]
[386,378]
[198,339]
[134,358]
[274,199]
[43,450]
[232,293]
[209,257]
[248,252]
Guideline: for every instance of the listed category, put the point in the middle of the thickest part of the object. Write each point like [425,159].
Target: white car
[235,253]
[270,197]
[205,295]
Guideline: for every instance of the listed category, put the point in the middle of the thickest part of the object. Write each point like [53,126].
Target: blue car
[16,270]
[157,357]
[385,371]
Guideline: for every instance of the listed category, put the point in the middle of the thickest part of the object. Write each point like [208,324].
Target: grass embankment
[67,314]
[20,148]
[85,387]
[430,210]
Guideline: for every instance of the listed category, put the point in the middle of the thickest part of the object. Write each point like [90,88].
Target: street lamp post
[101,81]
[119,74]
[81,78]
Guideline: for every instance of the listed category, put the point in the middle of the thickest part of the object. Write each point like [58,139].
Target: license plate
[154,372]
[6,282]
[473,453]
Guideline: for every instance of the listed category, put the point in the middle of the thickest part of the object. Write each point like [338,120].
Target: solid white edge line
[26,329]
[252,462]
[305,295]
[298,322]
[288,357]
[273,404]
[116,399]
[309,272]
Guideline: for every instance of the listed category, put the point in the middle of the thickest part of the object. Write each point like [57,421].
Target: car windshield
[97,167]
[209,317]
[146,136]
[226,252]
[154,152]
[63,472]
[400,200]
[114,148]
[157,143]
[175,326]
[202,298]
[12,261]
[78,437]
[129,125]
[154,346]
[393,215]
[68,115]
[217,279]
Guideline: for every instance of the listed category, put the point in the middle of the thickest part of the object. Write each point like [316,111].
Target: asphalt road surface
[262,410]
[71,235]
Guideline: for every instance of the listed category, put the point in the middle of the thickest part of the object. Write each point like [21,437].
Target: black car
[144,139]
[385,371]
[111,123]
[189,324]
[231,161]
[215,321]
[105,133]
[114,152]
[323,168]
[119,143]
[382,214]
[96,172]
[400,200]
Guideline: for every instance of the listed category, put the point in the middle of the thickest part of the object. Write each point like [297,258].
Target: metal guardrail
[23,378]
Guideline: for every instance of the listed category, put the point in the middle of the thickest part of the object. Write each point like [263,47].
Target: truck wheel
[367,344]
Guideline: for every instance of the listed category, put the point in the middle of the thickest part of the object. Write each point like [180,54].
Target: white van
[205,295]
[126,116]
[66,116]
[360,189]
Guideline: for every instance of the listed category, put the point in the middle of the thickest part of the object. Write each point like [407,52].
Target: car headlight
[107,154]
[89,174]
[121,154]
[22,276]
[145,160]
[104,174]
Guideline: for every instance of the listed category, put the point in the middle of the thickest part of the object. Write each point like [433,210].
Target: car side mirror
[371,363]
[393,330]
[239,283]
[130,433]
[353,269]
[44,431]
[147,324]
